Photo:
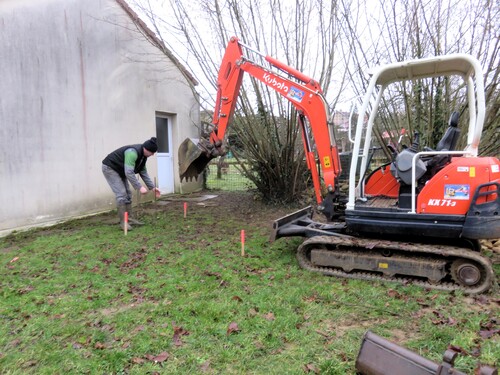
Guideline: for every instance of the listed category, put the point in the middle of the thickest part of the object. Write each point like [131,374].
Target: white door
[164,155]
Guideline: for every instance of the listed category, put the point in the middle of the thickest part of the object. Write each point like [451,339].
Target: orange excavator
[416,219]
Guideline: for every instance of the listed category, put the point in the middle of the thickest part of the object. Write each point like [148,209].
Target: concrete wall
[77,82]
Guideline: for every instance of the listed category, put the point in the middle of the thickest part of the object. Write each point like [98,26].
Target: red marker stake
[185,209]
[242,242]
[125,222]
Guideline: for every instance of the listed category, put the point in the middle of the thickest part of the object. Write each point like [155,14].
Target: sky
[161,8]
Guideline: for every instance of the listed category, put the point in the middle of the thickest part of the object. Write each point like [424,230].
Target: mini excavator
[417,219]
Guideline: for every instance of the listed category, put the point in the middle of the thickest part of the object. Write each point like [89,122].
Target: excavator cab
[418,218]
[415,162]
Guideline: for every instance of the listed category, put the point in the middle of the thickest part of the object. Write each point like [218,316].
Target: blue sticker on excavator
[296,94]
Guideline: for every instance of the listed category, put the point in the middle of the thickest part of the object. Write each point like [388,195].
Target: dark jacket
[116,160]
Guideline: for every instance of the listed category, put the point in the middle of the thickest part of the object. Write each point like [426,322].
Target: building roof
[155,40]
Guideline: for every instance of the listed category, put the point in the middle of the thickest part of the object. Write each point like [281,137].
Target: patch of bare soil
[9,249]
[242,206]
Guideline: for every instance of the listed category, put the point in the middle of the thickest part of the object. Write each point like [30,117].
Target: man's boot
[131,218]
[121,214]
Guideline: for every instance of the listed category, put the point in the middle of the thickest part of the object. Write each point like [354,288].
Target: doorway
[164,155]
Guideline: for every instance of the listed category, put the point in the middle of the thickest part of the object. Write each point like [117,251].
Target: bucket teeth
[190,173]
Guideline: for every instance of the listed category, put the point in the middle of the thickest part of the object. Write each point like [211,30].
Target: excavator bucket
[192,158]
[379,356]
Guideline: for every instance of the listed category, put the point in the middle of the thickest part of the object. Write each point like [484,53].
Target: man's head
[150,147]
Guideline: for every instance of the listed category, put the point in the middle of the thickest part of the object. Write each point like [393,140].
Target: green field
[177,297]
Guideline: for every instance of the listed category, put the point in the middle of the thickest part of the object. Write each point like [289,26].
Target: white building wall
[76,83]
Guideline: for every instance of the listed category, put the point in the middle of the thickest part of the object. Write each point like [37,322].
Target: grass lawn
[177,297]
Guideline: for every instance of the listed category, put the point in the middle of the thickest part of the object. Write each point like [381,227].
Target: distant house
[78,80]
[341,125]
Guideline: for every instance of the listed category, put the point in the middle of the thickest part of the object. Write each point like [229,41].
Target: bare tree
[336,43]
[302,34]
[400,30]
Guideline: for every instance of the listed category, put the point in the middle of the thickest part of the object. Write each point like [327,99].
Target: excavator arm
[302,91]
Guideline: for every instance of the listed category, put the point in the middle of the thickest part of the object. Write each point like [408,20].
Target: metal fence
[226,175]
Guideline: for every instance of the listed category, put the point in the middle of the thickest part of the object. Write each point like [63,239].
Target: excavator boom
[302,91]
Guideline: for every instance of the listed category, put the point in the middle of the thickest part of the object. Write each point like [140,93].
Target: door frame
[165,160]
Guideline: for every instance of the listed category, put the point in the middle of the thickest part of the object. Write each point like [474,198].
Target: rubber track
[439,251]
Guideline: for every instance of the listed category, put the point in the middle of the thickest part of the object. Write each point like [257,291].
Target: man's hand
[157,192]
[143,190]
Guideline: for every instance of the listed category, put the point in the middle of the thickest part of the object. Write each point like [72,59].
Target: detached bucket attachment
[193,158]
[379,356]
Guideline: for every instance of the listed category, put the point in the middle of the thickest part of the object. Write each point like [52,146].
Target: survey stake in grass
[242,238]
[125,221]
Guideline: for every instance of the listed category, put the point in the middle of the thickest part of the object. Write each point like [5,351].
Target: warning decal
[326,162]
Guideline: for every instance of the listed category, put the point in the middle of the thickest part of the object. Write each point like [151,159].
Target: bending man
[120,167]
